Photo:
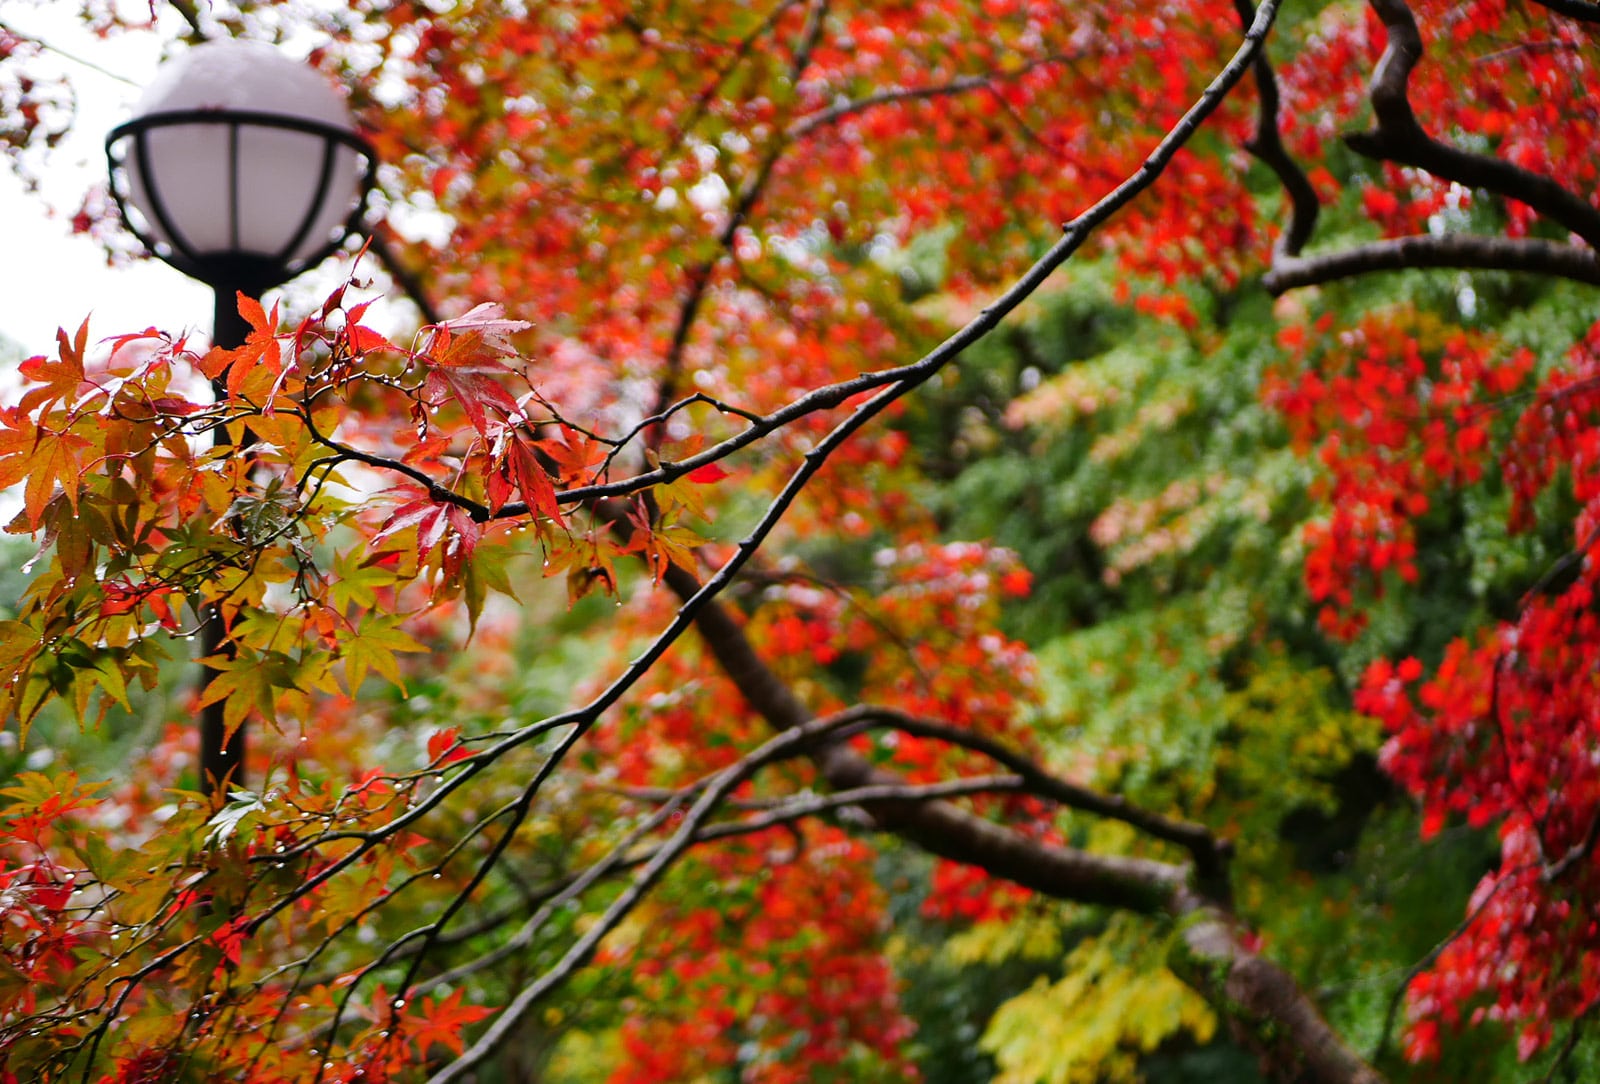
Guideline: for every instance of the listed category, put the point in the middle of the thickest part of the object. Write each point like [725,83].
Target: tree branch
[1267,146]
[1210,854]
[1455,250]
[1399,137]
[785,812]
[964,84]
[1269,1010]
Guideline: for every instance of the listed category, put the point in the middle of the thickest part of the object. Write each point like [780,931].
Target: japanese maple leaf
[472,386]
[488,322]
[533,480]
[56,380]
[422,512]
[463,357]
[53,461]
[19,436]
[442,1022]
[260,347]
[435,522]
[574,455]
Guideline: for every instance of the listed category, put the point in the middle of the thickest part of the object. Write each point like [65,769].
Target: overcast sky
[48,277]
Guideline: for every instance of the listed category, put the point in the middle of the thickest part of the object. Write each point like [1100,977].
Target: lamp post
[240,168]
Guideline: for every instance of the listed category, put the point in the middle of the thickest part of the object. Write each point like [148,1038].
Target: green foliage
[1114,1003]
[1159,508]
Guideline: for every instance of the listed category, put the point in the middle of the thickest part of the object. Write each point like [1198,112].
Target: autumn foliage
[631,694]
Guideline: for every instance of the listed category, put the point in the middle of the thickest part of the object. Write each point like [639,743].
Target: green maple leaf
[355,582]
[373,646]
[248,682]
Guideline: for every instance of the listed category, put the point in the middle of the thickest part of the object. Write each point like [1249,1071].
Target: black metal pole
[221,756]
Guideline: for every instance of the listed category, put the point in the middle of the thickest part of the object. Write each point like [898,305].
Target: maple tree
[687,374]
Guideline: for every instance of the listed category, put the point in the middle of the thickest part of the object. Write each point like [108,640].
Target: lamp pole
[240,168]
[222,754]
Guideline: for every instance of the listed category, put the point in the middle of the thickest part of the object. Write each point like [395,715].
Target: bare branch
[779,747]
[1399,137]
[1453,250]
[965,84]
[1267,145]
[1210,853]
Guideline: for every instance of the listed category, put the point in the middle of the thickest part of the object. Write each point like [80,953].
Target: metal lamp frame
[251,272]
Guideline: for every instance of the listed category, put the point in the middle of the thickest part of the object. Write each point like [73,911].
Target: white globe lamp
[240,167]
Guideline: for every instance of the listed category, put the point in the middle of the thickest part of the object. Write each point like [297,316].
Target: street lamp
[240,168]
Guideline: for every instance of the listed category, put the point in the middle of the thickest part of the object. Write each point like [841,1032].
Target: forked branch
[1398,137]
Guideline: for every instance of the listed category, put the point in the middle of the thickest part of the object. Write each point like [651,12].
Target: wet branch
[1397,136]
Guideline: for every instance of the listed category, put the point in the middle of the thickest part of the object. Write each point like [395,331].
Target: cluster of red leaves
[40,933]
[921,640]
[1395,410]
[1506,730]
[1557,434]
[760,126]
[1513,74]
[768,961]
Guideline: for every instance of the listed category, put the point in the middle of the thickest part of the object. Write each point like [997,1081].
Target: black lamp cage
[232,267]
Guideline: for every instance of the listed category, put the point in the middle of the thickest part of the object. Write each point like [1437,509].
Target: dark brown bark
[1261,1001]
[1397,136]
[1458,250]
[1581,10]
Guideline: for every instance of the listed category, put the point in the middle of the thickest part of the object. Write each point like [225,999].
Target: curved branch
[1210,853]
[1267,146]
[713,793]
[1399,137]
[964,84]
[1452,250]
[1064,872]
